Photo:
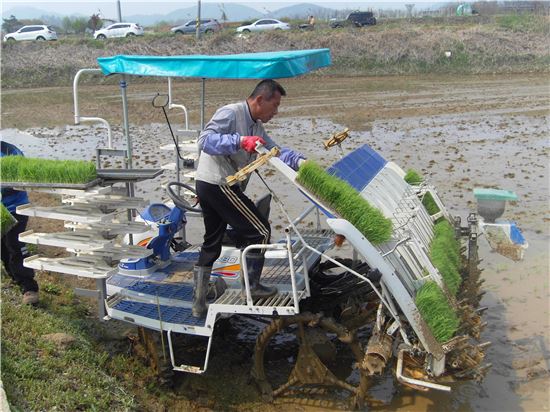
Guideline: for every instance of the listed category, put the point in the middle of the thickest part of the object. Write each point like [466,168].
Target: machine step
[156,316]
[151,290]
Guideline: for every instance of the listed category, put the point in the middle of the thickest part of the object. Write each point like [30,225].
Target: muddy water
[461,133]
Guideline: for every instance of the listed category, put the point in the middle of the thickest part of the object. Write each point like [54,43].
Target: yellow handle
[336,139]
[249,168]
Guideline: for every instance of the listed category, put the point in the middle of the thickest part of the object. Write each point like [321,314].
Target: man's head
[265,99]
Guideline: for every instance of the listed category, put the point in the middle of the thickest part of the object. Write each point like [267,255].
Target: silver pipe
[405,379]
[203,81]
[130,185]
[292,272]
[179,106]
[303,214]
[78,118]
[126,123]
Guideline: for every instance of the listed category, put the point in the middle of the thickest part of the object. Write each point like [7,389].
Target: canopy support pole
[126,123]
[128,162]
[203,81]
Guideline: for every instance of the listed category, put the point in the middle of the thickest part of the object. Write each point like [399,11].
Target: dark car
[356,18]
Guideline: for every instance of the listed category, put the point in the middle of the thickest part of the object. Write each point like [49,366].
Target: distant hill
[24,12]
[302,11]
[233,12]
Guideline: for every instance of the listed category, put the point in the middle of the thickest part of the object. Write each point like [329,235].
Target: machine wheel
[246,31]
[319,341]
[40,38]
[101,37]
[130,34]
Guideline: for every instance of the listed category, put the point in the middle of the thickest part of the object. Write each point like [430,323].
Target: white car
[34,32]
[264,24]
[119,30]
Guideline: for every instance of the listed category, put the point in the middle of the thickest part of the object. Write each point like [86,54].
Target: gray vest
[214,169]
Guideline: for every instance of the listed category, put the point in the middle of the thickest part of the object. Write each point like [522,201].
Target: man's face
[268,108]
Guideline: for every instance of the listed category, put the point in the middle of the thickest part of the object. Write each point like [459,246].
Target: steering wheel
[179,201]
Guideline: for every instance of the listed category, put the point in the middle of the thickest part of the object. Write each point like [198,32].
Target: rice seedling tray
[37,185]
[127,175]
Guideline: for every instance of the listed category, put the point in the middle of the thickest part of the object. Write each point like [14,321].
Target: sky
[166,6]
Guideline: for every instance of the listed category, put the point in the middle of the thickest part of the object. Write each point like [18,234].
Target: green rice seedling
[445,255]
[346,201]
[7,221]
[436,311]
[413,177]
[429,203]
[27,169]
[448,272]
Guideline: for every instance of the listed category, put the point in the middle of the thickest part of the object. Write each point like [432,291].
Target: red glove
[248,143]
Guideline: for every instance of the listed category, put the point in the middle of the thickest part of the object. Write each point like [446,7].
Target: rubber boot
[201,276]
[255,264]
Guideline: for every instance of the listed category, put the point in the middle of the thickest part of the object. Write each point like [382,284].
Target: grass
[436,311]
[523,23]
[26,169]
[490,44]
[7,221]
[39,374]
[347,202]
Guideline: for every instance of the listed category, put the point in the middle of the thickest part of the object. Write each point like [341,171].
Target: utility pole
[119,12]
[409,10]
[198,25]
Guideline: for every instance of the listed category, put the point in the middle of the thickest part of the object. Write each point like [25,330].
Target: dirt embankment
[405,48]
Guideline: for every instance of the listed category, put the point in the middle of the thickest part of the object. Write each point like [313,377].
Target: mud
[461,133]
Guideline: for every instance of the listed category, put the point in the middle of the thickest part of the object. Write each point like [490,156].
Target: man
[228,143]
[13,251]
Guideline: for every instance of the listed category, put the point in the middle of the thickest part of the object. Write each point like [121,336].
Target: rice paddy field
[457,132]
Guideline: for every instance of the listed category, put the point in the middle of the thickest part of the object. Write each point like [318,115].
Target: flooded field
[461,133]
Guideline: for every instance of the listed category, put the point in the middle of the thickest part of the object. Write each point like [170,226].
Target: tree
[11,24]
[79,25]
[95,23]
[66,24]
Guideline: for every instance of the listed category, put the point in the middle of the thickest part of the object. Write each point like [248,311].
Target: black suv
[357,18]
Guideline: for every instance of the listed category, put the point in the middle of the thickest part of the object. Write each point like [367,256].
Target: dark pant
[228,205]
[13,253]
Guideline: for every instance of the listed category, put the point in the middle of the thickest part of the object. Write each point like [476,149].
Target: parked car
[119,30]
[356,18]
[207,26]
[34,32]
[264,24]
